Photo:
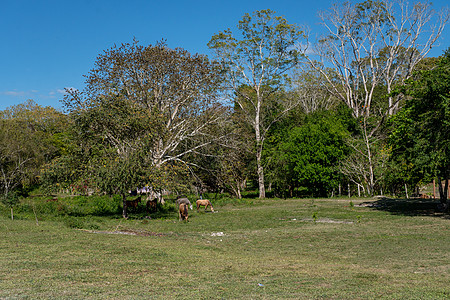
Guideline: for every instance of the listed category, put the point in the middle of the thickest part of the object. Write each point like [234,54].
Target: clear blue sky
[48,45]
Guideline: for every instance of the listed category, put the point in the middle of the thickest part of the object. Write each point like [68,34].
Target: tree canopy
[264,113]
[421,134]
[256,66]
[144,109]
[307,156]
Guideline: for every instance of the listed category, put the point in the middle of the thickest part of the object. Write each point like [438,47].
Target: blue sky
[49,45]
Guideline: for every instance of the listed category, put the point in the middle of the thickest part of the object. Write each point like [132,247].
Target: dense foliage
[306,158]
[30,136]
[421,135]
[175,122]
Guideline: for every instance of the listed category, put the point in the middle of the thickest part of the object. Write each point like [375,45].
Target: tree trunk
[124,211]
[443,190]
[434,189]
[262,189]
[237,189]
[371,183]
[259,146]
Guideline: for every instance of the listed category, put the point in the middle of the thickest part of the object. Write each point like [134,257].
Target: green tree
[10,199]
[256,65]
[421,135]
[174,88]
[144,109]
[371,46]
[30,136]
[308,156]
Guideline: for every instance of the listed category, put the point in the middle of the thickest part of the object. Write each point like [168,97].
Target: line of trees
[364,106]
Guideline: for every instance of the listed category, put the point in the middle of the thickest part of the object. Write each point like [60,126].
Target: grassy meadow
[249,249]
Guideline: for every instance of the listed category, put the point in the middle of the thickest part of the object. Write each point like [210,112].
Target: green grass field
[259,249]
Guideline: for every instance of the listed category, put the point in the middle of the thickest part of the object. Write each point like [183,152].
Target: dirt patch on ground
[318,220]
[128,232]
[327,221]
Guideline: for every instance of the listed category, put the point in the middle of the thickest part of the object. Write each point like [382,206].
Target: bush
[81,222]
[93,205]
[78,206]
[102,206]
[73,222]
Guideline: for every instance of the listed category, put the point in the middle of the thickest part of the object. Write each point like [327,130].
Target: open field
[261,249]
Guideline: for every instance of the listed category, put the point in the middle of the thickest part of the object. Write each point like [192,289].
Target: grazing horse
[205,203]
[183,200]
[183,212]
[151,205]
[133,203]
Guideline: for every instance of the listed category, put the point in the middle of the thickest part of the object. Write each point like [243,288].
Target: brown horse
[133,203]
[205,203]
[183,212]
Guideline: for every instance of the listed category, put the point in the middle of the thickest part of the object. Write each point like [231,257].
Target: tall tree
[30,136]
[372,44]
[375,42]
[421,135]
[257,65]
[307,155]
[149,106]
[174,87]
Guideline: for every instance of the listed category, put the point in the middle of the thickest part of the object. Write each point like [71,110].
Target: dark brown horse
[151,205]
[133,203]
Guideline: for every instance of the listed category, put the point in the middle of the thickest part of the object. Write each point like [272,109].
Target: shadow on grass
[409,207]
